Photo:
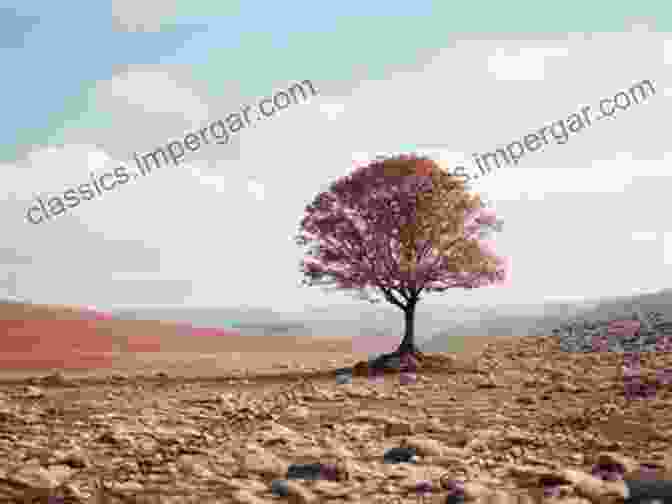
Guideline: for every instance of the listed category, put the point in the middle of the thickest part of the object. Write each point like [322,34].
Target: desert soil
[217,428]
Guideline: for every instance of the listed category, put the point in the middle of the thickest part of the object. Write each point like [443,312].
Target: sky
[84,93]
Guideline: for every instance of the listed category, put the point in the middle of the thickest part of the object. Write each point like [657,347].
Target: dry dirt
[502,414]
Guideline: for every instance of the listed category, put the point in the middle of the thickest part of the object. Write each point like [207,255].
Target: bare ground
[218,428]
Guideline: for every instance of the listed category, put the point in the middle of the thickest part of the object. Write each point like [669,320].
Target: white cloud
[667,248]
[644,235]
[155,93]
[528,64]
[332,110]
[603,176]
[667,52]
[217,182]
[55,169]
[449,109]
[256,189]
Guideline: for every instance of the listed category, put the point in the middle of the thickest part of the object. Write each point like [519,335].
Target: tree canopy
[399,227]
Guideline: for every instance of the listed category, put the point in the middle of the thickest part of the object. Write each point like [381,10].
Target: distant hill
[150,328]
[554,315]
[365,320]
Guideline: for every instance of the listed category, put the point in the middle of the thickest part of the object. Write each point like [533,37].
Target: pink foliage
[353,231]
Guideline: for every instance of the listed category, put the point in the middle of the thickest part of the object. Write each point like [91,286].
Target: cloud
[55,169]
[150,105]
[528,64]
[256,189]
[644,236]
[217,182]
[452,108]
[667,51]
[145,16]
[667,248]
[332,110]
[153,92]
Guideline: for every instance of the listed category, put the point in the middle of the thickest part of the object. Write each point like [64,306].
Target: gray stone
[280,487]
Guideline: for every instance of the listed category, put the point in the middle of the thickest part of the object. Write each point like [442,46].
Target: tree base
[389,362]
[408,349]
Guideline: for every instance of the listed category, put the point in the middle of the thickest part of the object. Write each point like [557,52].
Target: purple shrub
[423,488]
[376,375]
[664,343]
[600,343]
[551,491]
[329,472]
[608,472]
[664,376]
[409,363]
[453,486]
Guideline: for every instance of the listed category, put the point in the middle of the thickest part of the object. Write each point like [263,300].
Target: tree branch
[391,298]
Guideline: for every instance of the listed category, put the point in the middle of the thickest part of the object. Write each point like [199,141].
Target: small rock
[280,487]
[454,499]
[641,491]
[304,471]
[398,455]
[343,379]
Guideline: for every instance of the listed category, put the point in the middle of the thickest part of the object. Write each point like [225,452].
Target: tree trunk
[407,345]
[408,342]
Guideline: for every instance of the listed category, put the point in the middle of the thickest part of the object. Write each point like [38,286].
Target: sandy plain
[194,422]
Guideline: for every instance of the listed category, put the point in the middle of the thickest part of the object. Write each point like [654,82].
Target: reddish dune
[71,344]
[38,337]
[139,344]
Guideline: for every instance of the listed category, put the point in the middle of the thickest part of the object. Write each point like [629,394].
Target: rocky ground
[507,420]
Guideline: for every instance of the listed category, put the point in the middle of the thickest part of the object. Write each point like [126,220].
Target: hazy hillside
[366,319]
[554,315]
[434,323]
[337,320]
[659,301]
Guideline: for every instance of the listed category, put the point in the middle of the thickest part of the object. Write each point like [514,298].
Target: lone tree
[399,227]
